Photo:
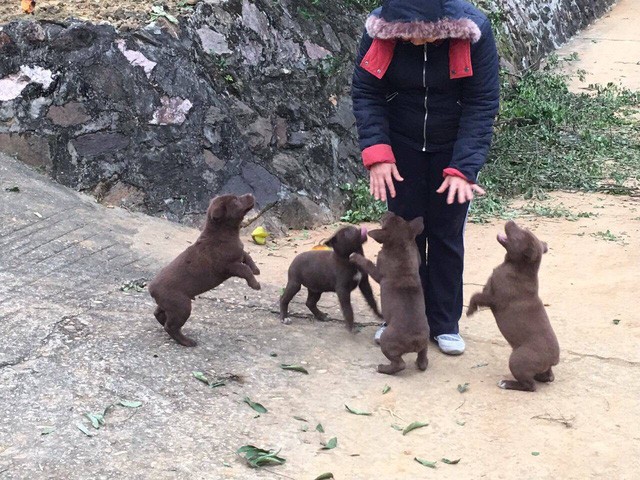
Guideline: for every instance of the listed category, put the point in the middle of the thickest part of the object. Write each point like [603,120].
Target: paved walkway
[608,50]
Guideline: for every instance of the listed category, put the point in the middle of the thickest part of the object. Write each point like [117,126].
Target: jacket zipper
[426,96]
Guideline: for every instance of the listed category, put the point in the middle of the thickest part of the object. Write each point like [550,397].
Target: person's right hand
[381,176]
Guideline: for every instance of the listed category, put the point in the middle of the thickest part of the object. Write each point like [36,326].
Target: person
[425,94]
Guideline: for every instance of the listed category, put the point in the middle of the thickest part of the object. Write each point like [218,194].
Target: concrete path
[608,50]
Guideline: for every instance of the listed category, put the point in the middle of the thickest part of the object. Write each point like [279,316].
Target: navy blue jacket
[433,97]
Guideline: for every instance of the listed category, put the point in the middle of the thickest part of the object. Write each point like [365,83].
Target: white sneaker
[378,334]
[450,343]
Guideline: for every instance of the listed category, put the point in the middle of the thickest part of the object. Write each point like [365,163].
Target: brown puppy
[512,294]
[401,294]
[217,255]
[330,271]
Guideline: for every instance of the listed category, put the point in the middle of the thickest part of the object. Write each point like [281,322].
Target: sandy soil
[584,425]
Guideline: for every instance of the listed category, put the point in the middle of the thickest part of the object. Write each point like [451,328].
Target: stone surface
[69,114]
[28,148]
[213,42]
[94,144]
[172,112]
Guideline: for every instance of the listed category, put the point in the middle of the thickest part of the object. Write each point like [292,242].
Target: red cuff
[380,153]
[454,172]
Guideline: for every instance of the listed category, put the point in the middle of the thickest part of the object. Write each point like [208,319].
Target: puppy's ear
[217,209]
[545,247]
[379,235]
[417,225]
[331,242]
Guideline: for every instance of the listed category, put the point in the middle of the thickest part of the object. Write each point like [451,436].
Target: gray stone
[251,52]
[30,149]
[265,186]
[260,134]
[254,19]
[280,132]
[172,112]
[94,144]
[71,113]
[331,38]
[213,161]
[300,212]
[343,116]
[315,51]
[298,139]
[214,115]
[213,42]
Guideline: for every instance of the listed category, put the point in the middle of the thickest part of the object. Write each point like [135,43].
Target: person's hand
[381,176]
[460,188]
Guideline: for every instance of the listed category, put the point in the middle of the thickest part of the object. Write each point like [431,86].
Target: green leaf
[356,412]
[228,465]
[397,427]
[480,365]
[130,403]
[201,376]
[273,354]
[535,454]
[462,424]
[295,368]
[219,383]
[386,389]
[302,419]
[325,476]
[256,406]
[451,462]
[304,428]
[84,429]
[331,444]
[96,419]
[257,457]
[13,189]
[320,428]
[413,426]
[463,388]
[616,321]
[47,429]
[426,463]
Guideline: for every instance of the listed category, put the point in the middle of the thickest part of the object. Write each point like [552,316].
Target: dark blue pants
[441,244]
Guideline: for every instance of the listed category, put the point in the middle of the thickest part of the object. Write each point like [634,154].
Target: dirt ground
[121,13]
[584,425]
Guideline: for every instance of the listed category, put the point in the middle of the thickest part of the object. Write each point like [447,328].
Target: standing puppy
[329,271]
[512,294]
[217,255]
[401,294]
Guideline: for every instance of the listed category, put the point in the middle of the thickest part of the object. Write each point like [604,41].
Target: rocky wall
[238,96]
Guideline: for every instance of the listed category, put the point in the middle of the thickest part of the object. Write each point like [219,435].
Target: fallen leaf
[46,429]
[258,457]
[325,476]
[397,427]
[321,247]
[228,465]
[463,388]
[28,6]
[462,424]
[260,235]
[219,383]
[295,368]
[413,426]
[84,430]
[96,419]
[302,419]
[159,11]
[304,428]
[356,412]
[386,389]
[616,321]
[535,454]
[256,406]
[273,354]
[451,462]
[480,365]
[320,428]
[201,376]
[37,214]
[13,189]
[130,403]
[331,444]
[426,463]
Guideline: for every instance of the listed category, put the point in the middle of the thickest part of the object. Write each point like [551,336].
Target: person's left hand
[460,188]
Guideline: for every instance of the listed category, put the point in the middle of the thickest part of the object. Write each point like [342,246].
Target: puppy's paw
[503,384]
[254,284]
[285,320]
[256,271]
[355,257]
[471,310]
